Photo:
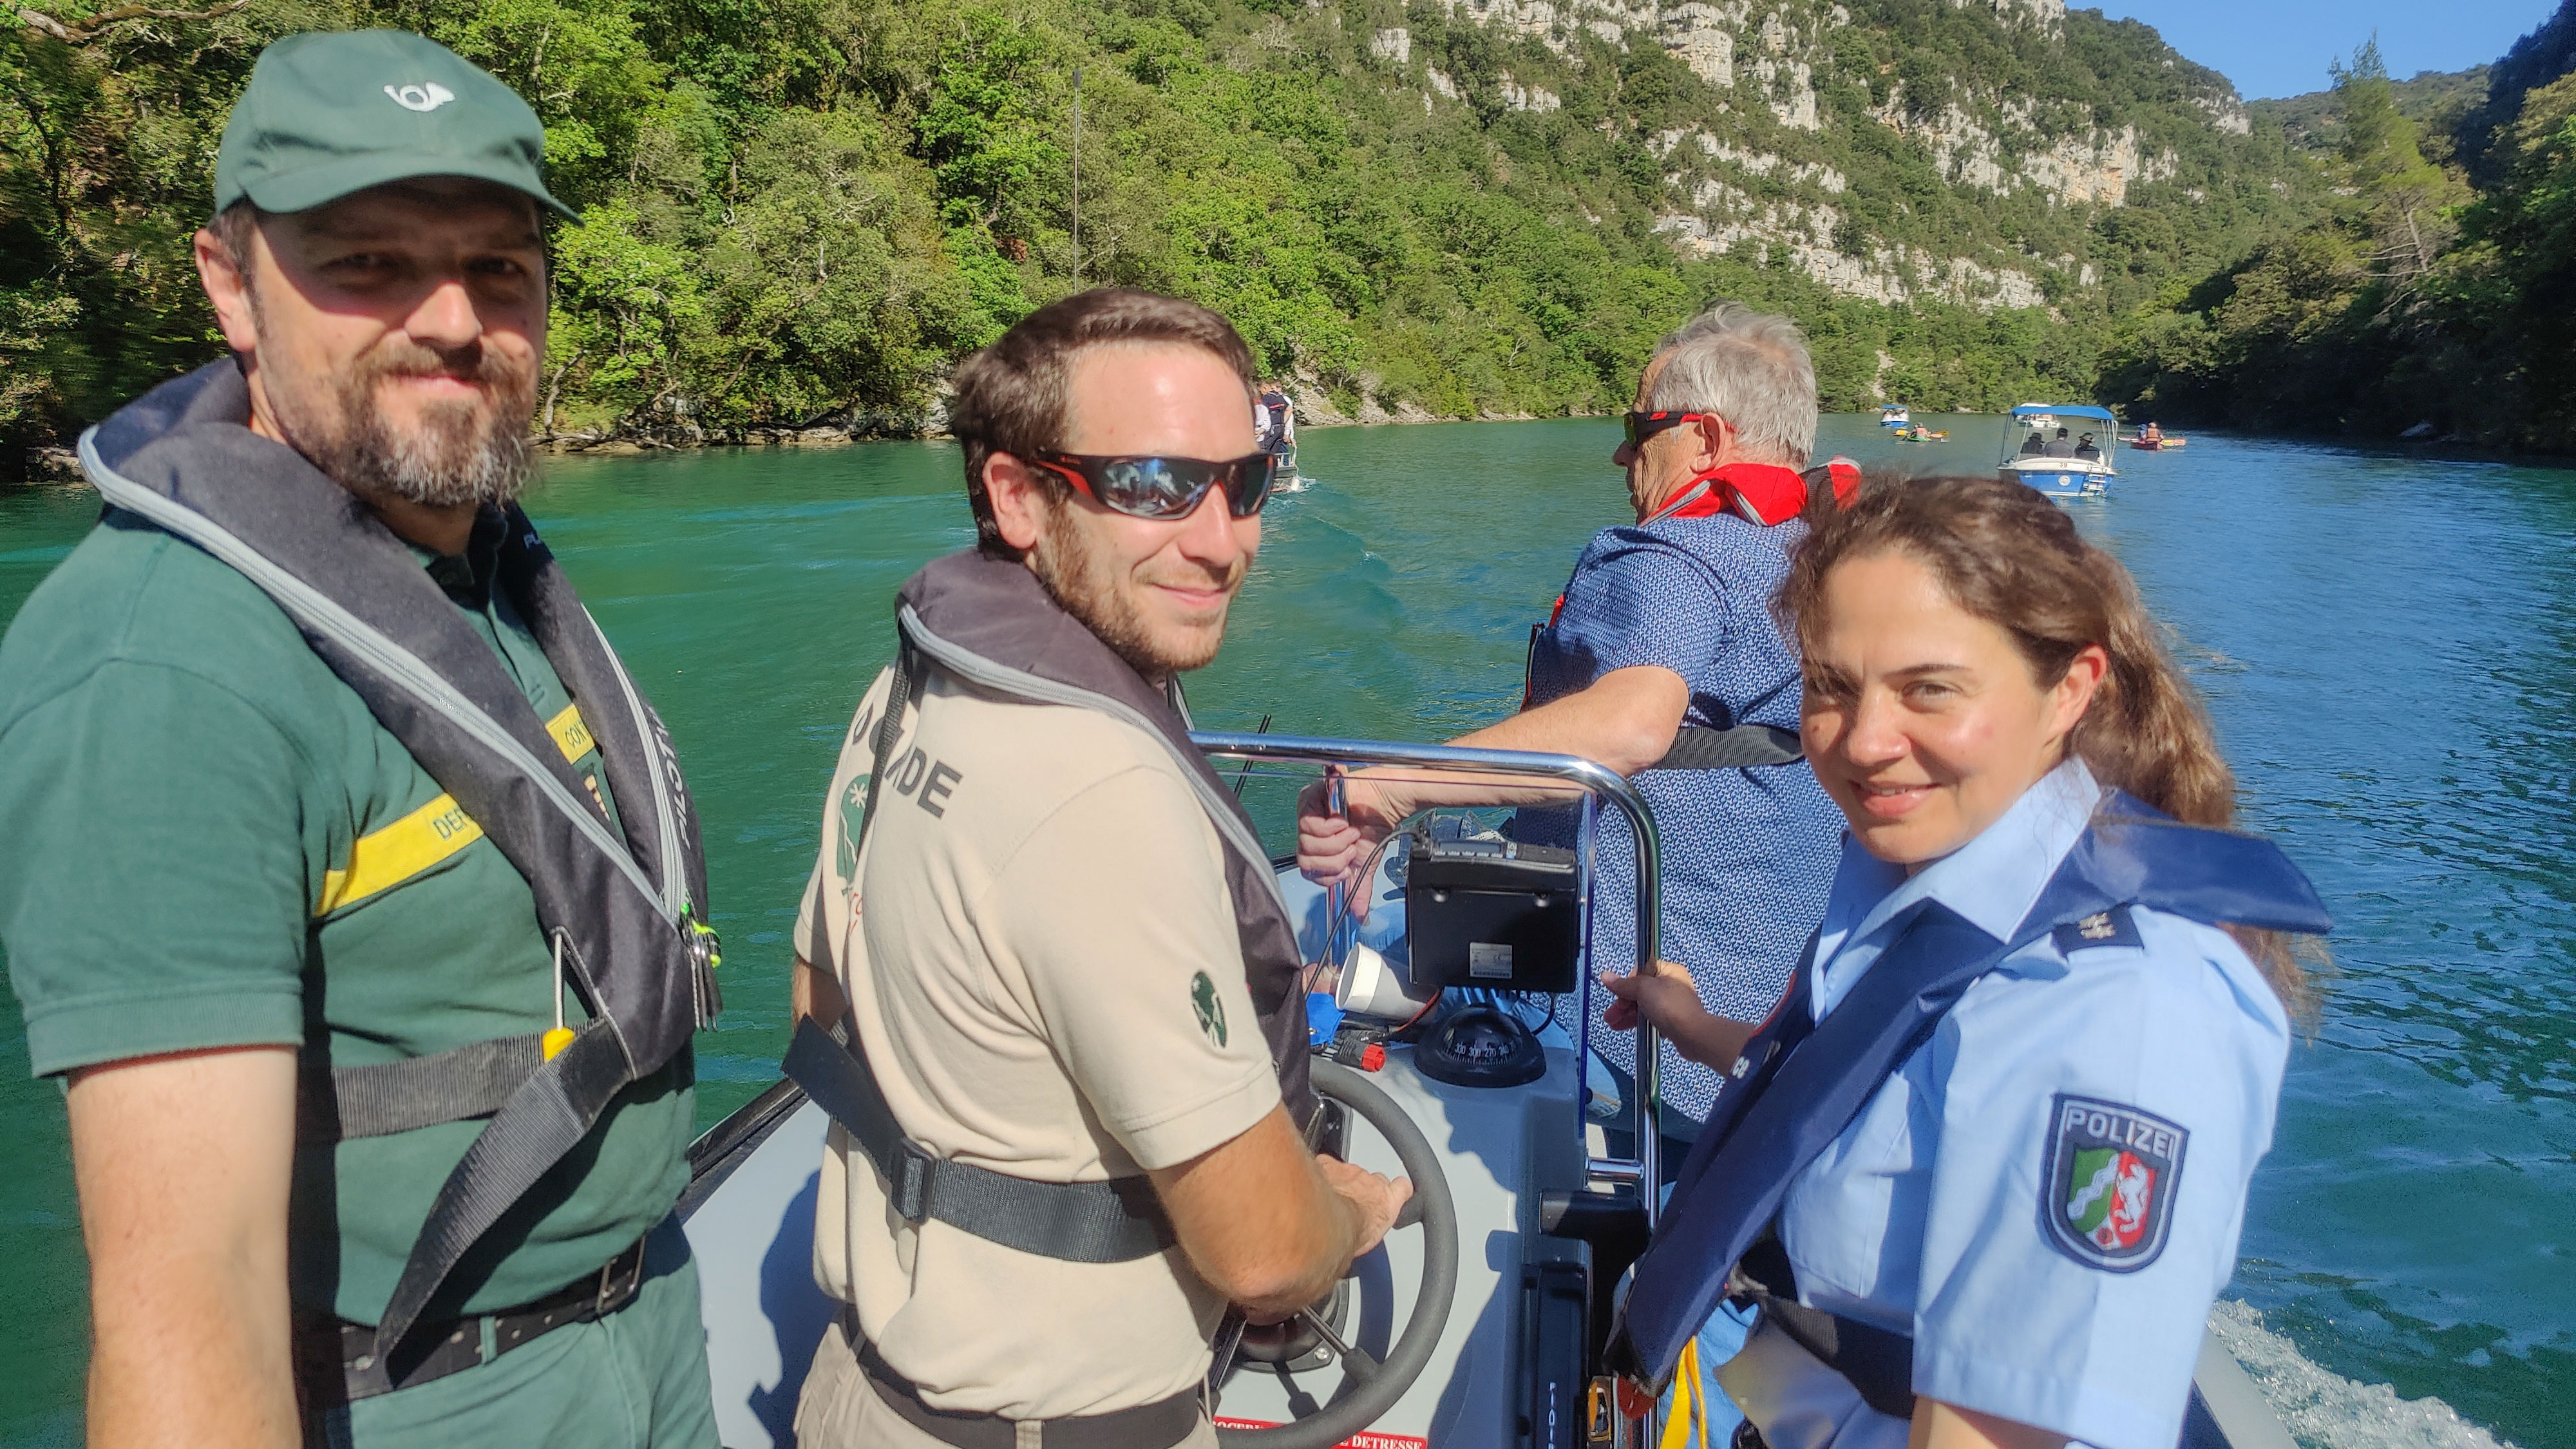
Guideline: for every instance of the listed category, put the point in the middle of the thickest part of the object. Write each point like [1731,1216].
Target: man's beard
[1085,580]
[458,452]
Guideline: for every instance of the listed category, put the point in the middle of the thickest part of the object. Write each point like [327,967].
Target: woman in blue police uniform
[1986,1166]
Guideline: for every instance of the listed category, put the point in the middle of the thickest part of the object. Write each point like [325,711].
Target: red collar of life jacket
[1765,493]
[1761,493]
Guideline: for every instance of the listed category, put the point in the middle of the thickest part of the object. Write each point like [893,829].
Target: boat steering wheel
[1370,1386]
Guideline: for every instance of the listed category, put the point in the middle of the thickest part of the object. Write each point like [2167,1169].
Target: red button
[1372,1057]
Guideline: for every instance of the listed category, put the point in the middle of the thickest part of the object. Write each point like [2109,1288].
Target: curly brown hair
[2006,554]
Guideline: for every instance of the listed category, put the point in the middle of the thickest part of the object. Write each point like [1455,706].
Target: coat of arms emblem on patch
[2112,1172]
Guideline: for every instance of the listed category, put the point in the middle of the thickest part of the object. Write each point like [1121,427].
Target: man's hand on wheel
[1377,1199]
[1333,847]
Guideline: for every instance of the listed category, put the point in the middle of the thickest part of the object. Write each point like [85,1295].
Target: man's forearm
[1624,722]
[197,1355]
[182,1165]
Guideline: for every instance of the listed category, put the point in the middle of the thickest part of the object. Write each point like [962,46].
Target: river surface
[2388,644]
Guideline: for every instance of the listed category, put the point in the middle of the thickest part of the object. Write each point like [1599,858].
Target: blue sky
[2280,47]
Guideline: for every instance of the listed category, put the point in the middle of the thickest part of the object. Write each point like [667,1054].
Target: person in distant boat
[1058,983]
[1661,661]
[1274,419]
[2061,446]
[2151,434]
[2085,447]
[2034,445]
[330,824]
[2051,978]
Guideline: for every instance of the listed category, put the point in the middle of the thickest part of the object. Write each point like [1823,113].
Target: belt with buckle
[335,1360]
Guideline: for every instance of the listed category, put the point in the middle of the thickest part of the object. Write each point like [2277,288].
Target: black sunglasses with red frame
[1166,488]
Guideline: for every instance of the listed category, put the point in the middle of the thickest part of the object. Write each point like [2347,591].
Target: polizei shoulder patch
[2108,1193]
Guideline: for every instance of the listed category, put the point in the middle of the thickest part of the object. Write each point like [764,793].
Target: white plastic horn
[1371,985]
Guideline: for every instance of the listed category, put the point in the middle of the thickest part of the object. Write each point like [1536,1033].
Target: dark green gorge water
[2389,645]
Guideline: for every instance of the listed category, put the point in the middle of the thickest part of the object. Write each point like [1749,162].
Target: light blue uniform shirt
[1932,1213]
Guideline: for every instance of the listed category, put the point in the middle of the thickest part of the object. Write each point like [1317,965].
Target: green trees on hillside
[800,211]
[2416,300]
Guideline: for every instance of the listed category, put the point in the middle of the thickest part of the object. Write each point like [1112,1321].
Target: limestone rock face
[1760,170]
[1696,34]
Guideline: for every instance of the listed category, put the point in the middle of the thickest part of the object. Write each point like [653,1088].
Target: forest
[2428,298]
[797,214]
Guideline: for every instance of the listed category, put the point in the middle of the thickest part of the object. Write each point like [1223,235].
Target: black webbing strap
[1876,1362]
[449,1086]
[1116,1221]
[1699,748]
[543,1120]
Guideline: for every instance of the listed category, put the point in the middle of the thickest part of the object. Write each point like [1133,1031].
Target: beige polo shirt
[1048,980]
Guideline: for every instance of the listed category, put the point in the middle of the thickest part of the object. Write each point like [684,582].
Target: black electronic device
[1495,914]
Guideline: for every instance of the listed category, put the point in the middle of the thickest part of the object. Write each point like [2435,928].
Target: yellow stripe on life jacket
[384,858]
[572,735]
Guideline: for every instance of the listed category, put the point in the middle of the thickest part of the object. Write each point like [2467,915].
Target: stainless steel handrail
[1593,779]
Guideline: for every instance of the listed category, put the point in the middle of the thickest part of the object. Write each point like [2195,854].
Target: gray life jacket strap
[449,1086]
[1116,1221]
[1746,745]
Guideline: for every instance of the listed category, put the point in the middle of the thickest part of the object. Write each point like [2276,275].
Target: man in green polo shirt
[220,873]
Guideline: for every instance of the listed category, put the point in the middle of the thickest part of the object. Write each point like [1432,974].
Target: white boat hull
[2062,477]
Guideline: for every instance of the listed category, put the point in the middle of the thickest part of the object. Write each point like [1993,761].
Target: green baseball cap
[328,114]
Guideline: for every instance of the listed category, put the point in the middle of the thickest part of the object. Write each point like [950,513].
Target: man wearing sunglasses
[1661,661]
[1070,988]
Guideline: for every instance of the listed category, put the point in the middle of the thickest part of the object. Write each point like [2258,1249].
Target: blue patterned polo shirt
[1748,854]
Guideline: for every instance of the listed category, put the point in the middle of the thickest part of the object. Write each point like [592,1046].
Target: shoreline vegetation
[797,214]
[2428,298]
[52,465]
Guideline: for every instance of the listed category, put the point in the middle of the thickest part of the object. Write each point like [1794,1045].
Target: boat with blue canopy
[2065,466]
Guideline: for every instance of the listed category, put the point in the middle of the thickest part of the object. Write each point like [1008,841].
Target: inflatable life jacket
[626,913]
[990,623]
[1800,1082]
[1766,496]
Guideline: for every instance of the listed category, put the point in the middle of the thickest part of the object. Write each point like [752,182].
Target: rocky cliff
[1961,150]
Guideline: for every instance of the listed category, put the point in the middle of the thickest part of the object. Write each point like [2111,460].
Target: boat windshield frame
[2030,417]
[1595,781]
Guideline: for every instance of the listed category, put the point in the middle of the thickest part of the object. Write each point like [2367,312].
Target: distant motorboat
[2058,476]
[1894,415]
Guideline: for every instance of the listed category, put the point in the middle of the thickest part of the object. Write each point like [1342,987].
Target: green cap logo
[424,98]
[326,115]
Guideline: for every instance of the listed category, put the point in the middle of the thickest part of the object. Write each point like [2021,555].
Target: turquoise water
[2389,645]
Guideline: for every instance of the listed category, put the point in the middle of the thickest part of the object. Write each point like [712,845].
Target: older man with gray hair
[1662,662]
